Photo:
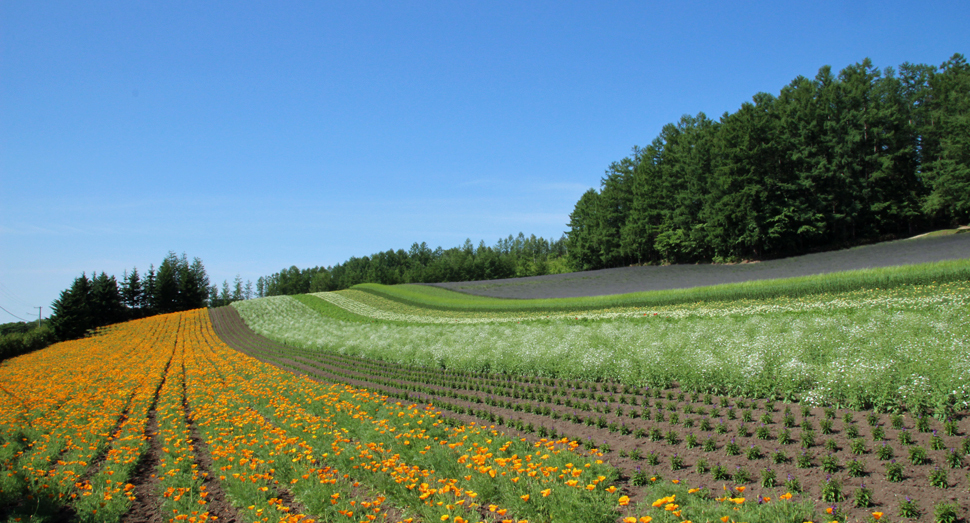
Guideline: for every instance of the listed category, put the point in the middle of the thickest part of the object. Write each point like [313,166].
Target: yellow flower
[525,497]
[624,501]
[546,492]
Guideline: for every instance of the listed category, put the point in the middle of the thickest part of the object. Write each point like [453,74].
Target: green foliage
[832,491]
[17,343]
[938,478]
[894,472]
[917,455]
[830,161]
[862,497]
[945,513]
[99,301]
[909,508]
[510,257]
[884,452]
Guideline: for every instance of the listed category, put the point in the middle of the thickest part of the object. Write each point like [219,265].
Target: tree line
[828,162]
[509,258]
[18,338]
[100,300]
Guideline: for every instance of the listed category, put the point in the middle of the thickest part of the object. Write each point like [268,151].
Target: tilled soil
[625,420]
[654,278]
[218,503]
[146,507]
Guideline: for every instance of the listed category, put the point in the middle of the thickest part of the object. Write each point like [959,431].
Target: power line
[6,292]
[12,314]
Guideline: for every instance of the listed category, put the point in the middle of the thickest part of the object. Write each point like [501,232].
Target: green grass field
[436,298]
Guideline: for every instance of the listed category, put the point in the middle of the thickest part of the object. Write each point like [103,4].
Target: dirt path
[146,508]
[218,503]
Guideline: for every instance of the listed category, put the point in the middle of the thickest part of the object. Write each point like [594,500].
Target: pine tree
[105,301]
[149,302]
[167,285]
[71,312]
[947,168]
[132,293]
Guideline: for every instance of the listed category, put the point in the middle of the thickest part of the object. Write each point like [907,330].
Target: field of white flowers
[872,349]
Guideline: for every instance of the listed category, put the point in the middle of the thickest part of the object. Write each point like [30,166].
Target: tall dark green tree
[193,284]
[71,314]
[947,168]
[149,298]
[167,285]
[833,161]
[582,244]
[132,294]
[105,301]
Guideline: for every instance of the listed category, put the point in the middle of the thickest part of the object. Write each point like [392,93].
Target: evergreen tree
[237,289]
[71,312]
[105,301]
[947,169]
[193,284]
[837,160]
[225,298]
[149,298]
[132,294]
[167,285]
[583,233]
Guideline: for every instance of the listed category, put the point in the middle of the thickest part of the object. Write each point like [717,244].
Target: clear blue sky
[262,135]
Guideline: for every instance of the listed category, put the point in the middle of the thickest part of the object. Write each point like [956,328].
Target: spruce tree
[71,312]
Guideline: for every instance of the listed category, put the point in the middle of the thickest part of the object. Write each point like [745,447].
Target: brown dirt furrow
[218,503]
[96,462]
[146,508]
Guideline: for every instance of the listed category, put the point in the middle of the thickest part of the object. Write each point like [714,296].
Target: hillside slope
[651,278]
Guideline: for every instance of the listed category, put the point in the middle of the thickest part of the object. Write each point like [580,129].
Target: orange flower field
[158,419]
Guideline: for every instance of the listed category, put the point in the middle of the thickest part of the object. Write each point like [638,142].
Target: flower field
[355,407]
[879,349]
[772,460]
[159,420]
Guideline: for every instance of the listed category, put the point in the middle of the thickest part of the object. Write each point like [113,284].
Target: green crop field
[636,375]
[886,278]
[900,346]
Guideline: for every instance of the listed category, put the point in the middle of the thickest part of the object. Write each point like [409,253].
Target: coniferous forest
[90,303]
[829,162]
